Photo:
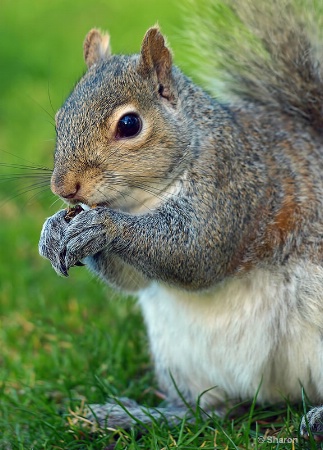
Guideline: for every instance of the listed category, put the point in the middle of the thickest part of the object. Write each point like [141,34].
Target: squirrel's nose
[65,187]
[72,194]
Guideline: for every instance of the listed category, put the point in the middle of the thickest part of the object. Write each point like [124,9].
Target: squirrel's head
[121,135]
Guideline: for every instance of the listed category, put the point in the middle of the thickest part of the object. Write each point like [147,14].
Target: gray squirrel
[210,211]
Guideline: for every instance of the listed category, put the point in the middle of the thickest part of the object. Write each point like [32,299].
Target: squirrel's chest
[231,337]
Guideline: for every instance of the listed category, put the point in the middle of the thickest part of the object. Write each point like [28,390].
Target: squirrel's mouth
[86,207]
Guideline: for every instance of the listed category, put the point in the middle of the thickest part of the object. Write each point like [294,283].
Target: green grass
[64,342]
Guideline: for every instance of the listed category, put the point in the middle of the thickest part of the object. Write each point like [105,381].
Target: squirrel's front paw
[50,240]
[85,235]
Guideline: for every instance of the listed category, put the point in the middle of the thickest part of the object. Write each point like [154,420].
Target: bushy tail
[269,51]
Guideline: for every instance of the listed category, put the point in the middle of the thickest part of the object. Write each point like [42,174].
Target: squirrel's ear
[156,58]
[96,46]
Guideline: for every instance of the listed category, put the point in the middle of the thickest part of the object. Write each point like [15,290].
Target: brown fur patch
[285,219]
[258,246]
[283,224]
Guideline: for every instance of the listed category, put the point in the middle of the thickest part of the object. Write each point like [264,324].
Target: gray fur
[313,421]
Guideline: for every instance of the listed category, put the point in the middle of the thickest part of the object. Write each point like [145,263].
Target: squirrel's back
[268,52]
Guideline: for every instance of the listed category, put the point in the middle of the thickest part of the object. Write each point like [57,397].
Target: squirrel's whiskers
[28,179]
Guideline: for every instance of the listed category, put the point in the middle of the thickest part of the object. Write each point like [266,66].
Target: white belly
[261,331]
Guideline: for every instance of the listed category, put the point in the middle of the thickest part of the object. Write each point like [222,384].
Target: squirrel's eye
[128,126]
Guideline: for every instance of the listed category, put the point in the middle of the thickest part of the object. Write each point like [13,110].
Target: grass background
[65,341]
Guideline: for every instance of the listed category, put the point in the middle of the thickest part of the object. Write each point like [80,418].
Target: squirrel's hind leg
[126,413]
[312,423]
